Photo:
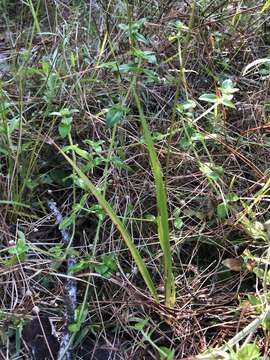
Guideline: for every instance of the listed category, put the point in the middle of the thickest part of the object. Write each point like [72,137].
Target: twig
[71,287]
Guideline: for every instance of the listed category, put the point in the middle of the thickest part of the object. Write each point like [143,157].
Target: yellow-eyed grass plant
[162,219]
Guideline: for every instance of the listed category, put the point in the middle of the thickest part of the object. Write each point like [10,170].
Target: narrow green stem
[161,196]
[181,79]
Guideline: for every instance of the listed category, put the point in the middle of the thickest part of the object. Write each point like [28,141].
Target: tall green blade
[161,196]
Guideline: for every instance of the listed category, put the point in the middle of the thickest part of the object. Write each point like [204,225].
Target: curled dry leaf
[234,264]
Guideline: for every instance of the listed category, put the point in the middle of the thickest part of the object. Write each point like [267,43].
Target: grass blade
[161,196]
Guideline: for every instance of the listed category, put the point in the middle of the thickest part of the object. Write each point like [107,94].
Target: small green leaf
[107,267]
[66,112]
[186,106]
[72,252]
[255,302]
[66,222]
[197,137]
[123,27]
[45,68]
[151,75]
[64,129]
[222,210]
[13,124]
[266,324]
[147,55]
[75,327]
[211,98]
[95,145]
[98,211]
[139,326]
[178,223]
[82,153]
[139,323]
[212,172]
[169,353]
[82,265]
[249,351]
[115,114]
[255,229]
[227,102]
[102,269]
[180,25]
[129,67]
[112,65]
[81,313]
[21,236]
[109,261]
[21,248]
[232,197]
[227,85]
[120,164]
[13,260]
[79,182]
[151,218]
[259,273]
[56,251]
[139,37]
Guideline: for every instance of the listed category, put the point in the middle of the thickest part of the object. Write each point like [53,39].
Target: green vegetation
[134,179]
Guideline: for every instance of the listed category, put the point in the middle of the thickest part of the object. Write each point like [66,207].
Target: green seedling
[107,267]
[66,116]
[227,91]
[18,251]
[223,209]
[249,351]
[81,314]
[115,114]
[177,220]
[132,31]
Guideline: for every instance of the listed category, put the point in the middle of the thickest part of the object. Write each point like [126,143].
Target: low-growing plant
[18,251]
